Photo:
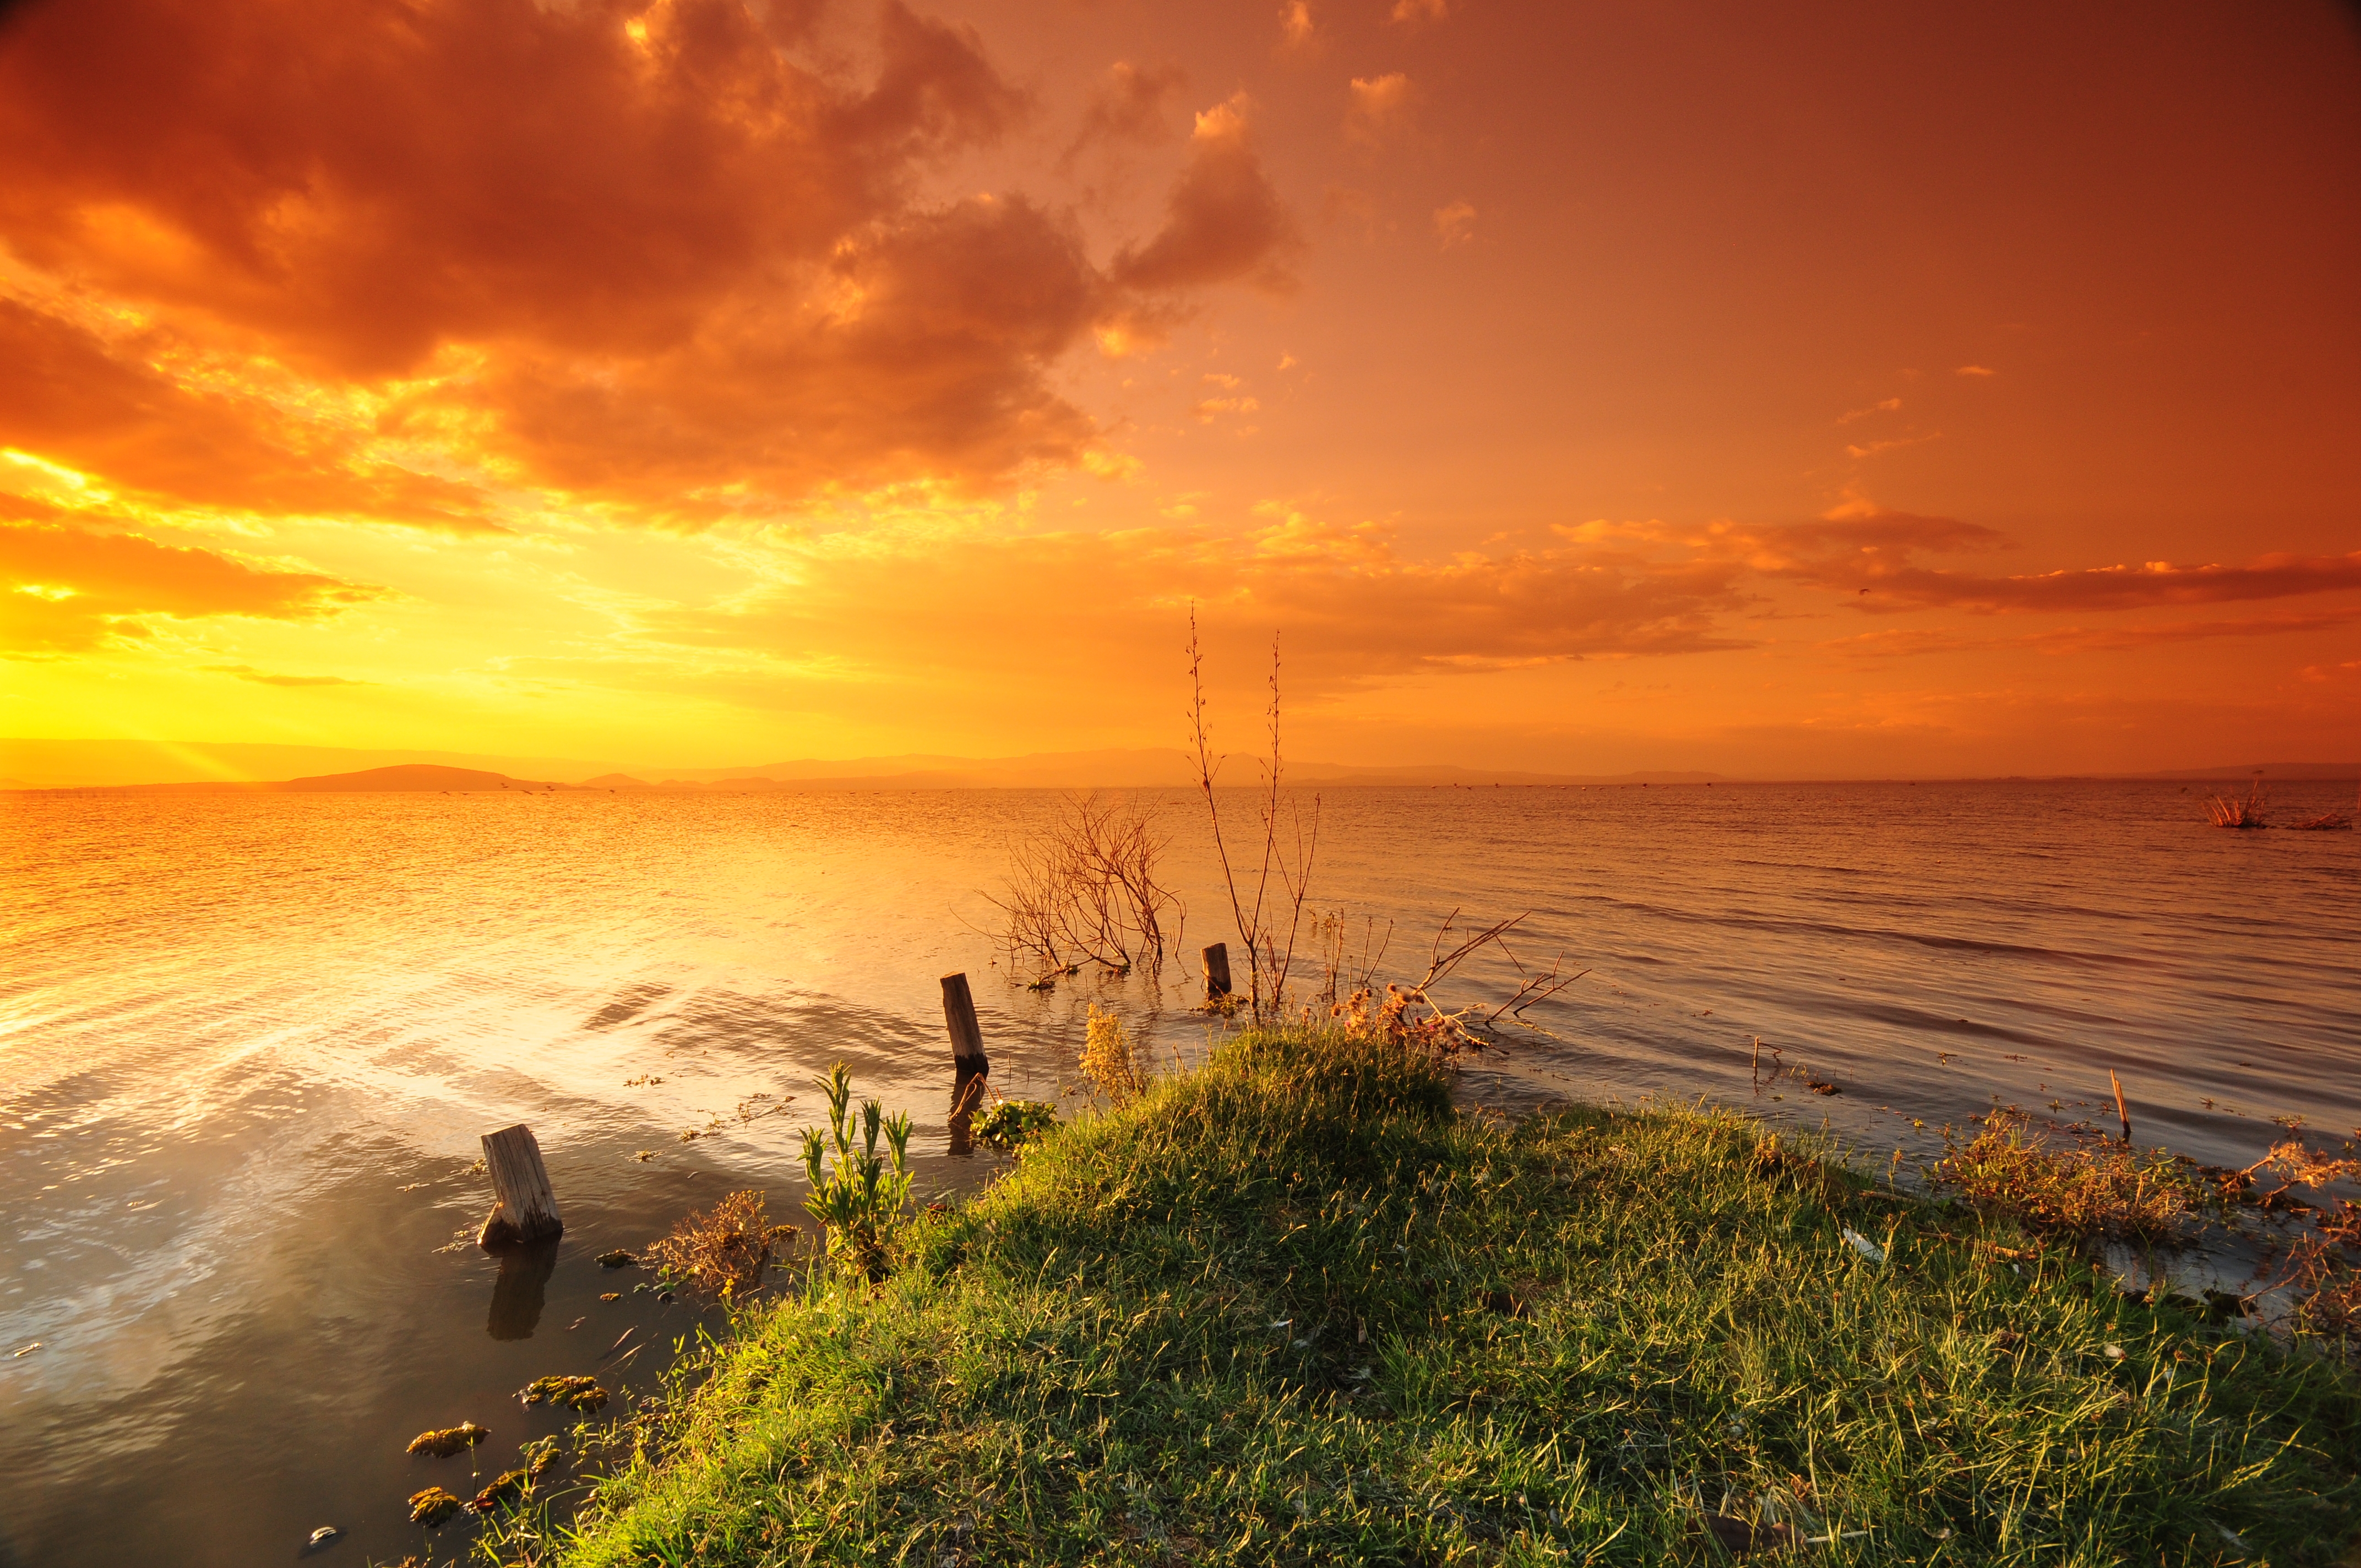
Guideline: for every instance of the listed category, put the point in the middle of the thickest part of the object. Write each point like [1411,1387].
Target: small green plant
[859,1200]
[1013,1124]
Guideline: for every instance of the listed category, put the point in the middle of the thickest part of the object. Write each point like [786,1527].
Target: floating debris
[645,1155]
[617,1258]
[579,1394]
[318,1540]
[512,1484]
[539,1456]
[448,1440]
[433,1506]
[1819,1088]
[610,1295]
[648,1079]
[27,1351]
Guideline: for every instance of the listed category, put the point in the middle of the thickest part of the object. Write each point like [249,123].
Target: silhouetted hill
[410,777]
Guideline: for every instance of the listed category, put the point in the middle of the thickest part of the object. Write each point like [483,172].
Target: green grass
[1292,1308]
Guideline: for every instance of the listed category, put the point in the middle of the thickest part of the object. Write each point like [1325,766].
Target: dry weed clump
[1115,1064]
[2058,1183]
[722,1253]
[2229,811]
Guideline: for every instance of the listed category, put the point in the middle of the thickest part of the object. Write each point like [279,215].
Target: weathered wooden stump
[527,1208]
[1217,972]
[969,1066]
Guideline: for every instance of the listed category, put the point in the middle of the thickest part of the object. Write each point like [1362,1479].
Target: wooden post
[527,1210]
[2122,1113]
[969,1066]
[1217,972]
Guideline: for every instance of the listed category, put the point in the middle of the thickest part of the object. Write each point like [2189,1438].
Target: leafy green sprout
[860,1198]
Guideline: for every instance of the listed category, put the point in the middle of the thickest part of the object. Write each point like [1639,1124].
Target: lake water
[247,1046]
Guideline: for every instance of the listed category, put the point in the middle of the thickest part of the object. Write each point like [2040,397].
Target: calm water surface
[247,1046]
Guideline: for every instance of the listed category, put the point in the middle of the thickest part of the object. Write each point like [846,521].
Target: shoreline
[1291,1306]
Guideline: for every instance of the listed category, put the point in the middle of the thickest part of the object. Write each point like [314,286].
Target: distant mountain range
[178,766]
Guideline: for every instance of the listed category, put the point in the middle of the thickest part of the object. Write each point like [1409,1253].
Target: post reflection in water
[517,1293]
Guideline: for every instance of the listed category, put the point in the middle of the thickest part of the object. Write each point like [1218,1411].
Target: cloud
[387,261]
[2117,587]
[68,588]
[1354,609]
[1295,26]
[1378,106]
[1454,224]
[1870,552]
[1883,406]
[1872,448]
[365,183]
[83,406]
[248,673]
[929,353]
[1420,10]
[1127,106]
[1223,219]
[1974,370]
[2085,640]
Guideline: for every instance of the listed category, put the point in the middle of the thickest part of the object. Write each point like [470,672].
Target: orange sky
[1849,389]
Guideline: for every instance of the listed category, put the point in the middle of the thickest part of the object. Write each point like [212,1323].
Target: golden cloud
[66,589]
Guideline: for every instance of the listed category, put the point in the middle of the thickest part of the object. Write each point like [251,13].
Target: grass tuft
[1294,1308]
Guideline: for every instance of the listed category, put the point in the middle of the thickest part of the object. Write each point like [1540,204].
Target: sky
[1821,390]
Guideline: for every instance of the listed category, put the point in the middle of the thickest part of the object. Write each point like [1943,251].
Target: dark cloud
[1223,221]
[629,247]
[67,588]
[1127,106]
[927,357]
[1873,556]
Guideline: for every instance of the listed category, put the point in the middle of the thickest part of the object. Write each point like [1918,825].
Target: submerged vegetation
[444,1441]
[722,1253]
[1011,1124]
[1295,1308]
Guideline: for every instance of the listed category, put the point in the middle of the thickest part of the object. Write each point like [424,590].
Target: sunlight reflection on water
[248,1045]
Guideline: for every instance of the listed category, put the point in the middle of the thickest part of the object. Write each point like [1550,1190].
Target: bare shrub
[1270,920]
[1083,889]
[1410,1013]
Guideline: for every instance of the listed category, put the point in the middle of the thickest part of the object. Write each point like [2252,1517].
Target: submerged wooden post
[2121,1112]
[1217,972]
[527,1210]
[969,1066]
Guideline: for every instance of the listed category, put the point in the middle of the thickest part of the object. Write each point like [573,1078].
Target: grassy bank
[1292,1308]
